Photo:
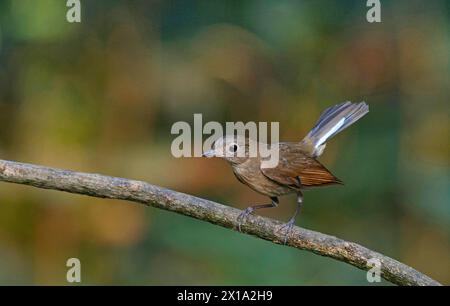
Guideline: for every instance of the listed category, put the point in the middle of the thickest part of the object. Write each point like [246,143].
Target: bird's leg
[290,224]
[241,218]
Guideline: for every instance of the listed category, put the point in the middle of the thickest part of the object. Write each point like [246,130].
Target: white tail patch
[333,130]
[332,121]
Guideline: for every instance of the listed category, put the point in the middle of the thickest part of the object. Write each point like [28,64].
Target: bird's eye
[233,148]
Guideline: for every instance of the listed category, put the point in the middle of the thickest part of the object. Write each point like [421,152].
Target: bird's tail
[332,121]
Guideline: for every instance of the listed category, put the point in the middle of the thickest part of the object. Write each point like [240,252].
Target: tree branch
[101,186]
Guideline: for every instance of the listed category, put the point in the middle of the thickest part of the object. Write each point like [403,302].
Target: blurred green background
[101,96]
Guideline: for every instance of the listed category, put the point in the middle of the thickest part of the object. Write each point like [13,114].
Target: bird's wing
[295,169]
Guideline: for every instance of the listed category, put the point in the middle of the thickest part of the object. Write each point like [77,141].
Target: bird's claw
[241,218]
[288,228]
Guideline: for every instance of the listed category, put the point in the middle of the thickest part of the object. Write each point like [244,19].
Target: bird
[298,168]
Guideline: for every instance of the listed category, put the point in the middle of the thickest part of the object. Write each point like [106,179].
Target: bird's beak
[209,153]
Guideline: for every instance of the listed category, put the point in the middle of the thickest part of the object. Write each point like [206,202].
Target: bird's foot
[241,218]
[288,229]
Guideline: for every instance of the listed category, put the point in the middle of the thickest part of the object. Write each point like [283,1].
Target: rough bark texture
[96,185]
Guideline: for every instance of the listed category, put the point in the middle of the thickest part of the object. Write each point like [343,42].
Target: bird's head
[235,149]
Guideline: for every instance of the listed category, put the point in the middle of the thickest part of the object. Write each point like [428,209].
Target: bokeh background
[102,95]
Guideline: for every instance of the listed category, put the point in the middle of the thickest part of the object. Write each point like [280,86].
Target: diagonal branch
[101,186]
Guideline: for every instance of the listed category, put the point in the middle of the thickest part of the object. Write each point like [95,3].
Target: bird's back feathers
[296,169]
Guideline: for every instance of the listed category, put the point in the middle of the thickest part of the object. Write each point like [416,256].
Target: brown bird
[298,168]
